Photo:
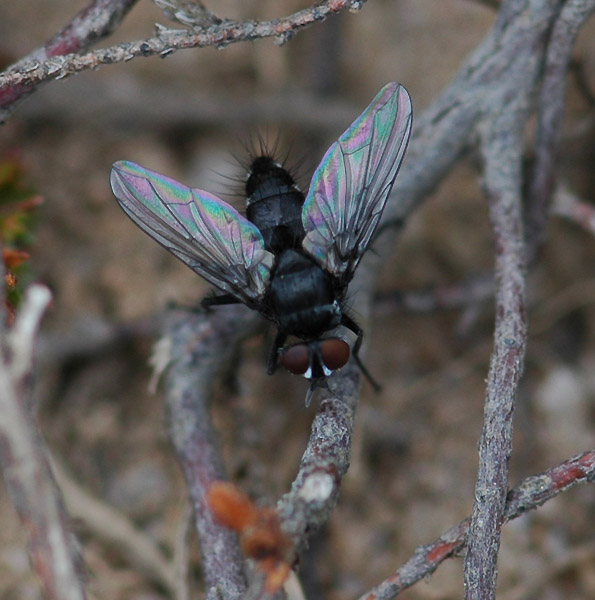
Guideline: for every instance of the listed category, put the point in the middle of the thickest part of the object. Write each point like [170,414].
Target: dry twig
[527,495]
[568,205]
[25,466]
[43,66]
[490,100]
[116,531]
[489,103]
[556,64]
[201,346]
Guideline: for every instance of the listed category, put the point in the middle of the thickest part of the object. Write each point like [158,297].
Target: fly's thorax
[310,322]
[301,296]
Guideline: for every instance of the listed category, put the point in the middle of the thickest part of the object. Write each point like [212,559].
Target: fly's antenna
[316,383]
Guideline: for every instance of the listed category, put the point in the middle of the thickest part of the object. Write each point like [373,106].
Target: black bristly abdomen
[301,296]
[274,204]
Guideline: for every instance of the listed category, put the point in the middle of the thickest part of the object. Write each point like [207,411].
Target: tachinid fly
[291,258]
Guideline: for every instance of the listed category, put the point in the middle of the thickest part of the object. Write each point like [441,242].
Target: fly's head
[316,359]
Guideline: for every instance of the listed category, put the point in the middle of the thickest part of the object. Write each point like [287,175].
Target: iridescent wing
[210,236]
[352,183]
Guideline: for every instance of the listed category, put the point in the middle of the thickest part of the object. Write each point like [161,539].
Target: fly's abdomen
[301,297]
[274,205]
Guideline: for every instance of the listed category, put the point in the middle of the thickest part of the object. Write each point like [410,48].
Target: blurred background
[415,453]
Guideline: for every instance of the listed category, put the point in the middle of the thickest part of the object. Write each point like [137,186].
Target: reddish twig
[93,23]
[29,74]
[527,495]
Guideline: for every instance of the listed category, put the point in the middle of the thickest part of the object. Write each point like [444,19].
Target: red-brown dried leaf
[14,258]
[261,536]
[231,506]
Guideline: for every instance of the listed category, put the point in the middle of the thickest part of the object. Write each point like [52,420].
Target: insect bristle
[262,160]
[263,145]
[233,185]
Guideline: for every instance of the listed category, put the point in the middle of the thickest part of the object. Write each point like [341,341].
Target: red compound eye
[296,359]
[335,353]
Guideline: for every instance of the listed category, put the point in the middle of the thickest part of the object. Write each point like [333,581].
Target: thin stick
[315,490]
[53,550]
[26,76]
[201,346]
[114,529]
[551,108]
[529,494]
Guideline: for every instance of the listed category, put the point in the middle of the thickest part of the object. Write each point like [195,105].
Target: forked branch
[528,495]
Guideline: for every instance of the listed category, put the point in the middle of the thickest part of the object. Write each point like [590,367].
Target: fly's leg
[348,322]
[219,300]
[280,338]
[279,342]
[206,303]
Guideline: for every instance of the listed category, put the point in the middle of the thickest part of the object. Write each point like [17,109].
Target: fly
[292,257]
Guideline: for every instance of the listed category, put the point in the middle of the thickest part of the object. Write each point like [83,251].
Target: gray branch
[26,75]
[315,490]
[24,460]
[200,346]
[550,110]
[528,495]
[488,104]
